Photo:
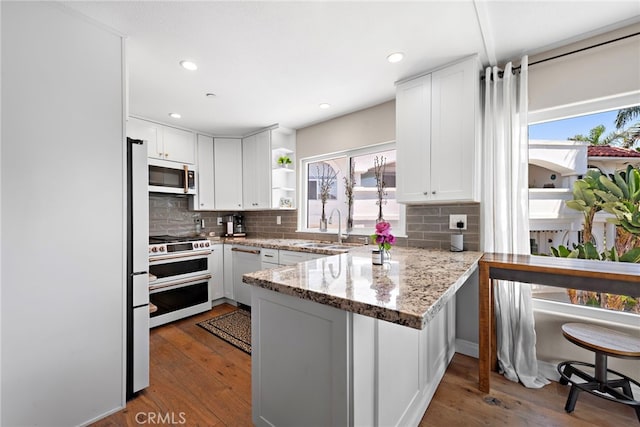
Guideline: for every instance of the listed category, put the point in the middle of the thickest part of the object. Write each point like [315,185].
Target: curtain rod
[580,50]
[515,69]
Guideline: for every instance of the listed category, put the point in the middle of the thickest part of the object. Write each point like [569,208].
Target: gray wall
[63,303]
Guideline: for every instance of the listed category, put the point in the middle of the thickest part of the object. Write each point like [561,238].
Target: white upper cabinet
[413,139]
[437,135]
[227,169]
[205,199]
[164,142]
[179,145]
[256,171]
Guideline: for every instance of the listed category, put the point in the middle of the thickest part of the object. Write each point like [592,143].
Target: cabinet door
[413,140]
[204,200]
[179,145]
[256,171]
[147,131]
[263,170]
[227,156]
[249,176]
[453,131]
[227,276]
[216,283]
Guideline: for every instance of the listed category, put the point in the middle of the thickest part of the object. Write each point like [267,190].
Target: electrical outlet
[219,221]
[454,219]
[278,220]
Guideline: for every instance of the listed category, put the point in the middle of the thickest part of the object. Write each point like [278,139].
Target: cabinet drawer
[292,257]
[270,256]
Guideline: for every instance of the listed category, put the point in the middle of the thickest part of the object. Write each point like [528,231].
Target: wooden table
[600,276]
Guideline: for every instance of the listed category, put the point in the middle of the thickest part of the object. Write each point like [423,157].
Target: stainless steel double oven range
[179,276]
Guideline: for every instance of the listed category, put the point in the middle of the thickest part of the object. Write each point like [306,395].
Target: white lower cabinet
[345,368]
[228,272]
[216,283]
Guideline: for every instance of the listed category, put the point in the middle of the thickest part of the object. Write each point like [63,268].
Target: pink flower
[383,228]
[383,237]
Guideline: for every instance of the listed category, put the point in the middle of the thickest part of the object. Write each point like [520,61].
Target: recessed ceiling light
[395,57]
[188,65]
[175,115]
[210,95]
[324,105]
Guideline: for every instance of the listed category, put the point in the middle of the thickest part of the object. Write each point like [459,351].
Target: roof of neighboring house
[608,151]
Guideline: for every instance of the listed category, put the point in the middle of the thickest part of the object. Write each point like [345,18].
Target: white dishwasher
[246,259]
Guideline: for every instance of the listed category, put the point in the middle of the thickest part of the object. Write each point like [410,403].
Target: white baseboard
[468,348]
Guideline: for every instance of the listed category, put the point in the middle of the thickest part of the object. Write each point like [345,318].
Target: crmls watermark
[166,418]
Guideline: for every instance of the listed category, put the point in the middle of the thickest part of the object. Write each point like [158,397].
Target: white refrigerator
[137,267]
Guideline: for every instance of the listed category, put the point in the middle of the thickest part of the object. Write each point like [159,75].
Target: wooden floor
[199,380]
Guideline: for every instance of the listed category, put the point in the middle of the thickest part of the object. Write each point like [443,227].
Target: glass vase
[323,220]
[380,256]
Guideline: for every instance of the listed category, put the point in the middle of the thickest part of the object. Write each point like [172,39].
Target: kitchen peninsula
[339,341]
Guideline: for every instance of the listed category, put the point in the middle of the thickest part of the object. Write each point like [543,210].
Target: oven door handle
[246,251]
[180,282]
[181,255]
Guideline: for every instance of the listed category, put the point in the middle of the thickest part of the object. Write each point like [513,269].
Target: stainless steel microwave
[171,177]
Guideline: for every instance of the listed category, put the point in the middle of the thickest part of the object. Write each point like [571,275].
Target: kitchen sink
[321,245]
[338,247]
[313,245]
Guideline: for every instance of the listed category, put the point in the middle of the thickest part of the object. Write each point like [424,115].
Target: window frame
[399,231]
[591,106]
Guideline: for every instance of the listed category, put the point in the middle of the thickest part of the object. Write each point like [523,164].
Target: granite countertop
[409,290]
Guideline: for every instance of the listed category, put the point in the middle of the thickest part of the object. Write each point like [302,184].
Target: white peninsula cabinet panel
[205,198]
[347,369]
[437,135]
[256,171]
[227,155]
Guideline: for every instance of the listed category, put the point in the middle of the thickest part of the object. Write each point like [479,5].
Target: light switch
[278,219]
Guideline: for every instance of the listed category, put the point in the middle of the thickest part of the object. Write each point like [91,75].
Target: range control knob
[161,249]
[206,244]
[154,249]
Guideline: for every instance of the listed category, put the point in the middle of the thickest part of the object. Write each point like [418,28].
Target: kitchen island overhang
[339,341]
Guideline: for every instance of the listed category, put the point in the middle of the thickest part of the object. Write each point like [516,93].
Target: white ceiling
[275,62]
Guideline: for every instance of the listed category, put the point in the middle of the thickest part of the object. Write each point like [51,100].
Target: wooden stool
[604,342]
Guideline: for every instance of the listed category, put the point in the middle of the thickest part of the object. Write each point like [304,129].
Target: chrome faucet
[339,223]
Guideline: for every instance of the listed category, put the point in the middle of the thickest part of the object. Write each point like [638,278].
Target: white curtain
[505,216]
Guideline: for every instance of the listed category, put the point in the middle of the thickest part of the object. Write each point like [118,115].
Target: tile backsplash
[427,225]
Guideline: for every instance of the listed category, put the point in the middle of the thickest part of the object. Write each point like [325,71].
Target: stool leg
[568,371]
[601,367]
[572,399]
